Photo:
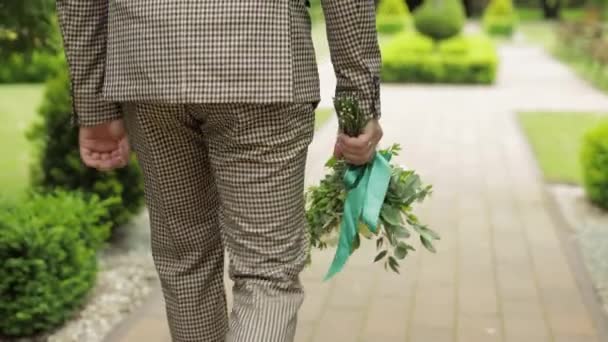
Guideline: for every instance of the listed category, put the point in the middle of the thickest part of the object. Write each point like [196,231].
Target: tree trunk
[551,8]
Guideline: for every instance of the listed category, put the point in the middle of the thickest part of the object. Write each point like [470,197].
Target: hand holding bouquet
[373,201]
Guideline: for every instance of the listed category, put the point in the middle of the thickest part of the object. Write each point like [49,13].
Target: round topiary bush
[440,19]
[48,246]
[594,160]
[392,16]
[499,18]
[59,164]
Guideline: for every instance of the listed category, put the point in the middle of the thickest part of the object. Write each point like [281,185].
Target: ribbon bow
[366,188]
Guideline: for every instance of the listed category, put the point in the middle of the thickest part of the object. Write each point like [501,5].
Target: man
[217,98]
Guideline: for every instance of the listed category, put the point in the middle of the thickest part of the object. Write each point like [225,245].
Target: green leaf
[401,251]
[331,162]
[402,232]
[380,256]
[379,243]
[393,264]
[391,215]
[427,244]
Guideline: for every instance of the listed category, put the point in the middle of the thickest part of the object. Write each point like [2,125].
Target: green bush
[440,19]
[412,57]
[59,164]
[18,68]
[594,160]
[499,19]
[48,246]
[392,16]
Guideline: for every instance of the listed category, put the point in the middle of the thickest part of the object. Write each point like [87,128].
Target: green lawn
[322,115]
[18,107]
[556,139]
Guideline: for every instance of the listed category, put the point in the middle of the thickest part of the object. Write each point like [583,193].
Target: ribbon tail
[353,205]
[377,186]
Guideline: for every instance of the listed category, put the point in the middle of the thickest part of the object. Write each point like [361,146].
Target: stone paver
[501,272]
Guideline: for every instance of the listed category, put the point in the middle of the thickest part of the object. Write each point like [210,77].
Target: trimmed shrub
[412,57]
[38,67]
[59,164]
[594,160]
[48,246]
[499,19]
[440,19]
[392,16]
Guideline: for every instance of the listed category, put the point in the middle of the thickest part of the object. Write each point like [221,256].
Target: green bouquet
[374,202]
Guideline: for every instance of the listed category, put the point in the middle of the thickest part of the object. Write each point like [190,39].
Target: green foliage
[27,26]
[59,163]
[584,46]
[394,8]
[392,16]
[594,159]
[500,19]
[396,221]
[37,67]
[48,247]
[412,57]
[556,139]
[440,19]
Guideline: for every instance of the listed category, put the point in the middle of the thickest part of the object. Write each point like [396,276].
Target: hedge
[594,160]
[499,19]
[48,246]
[413,57]
[40,66]
[392,16]
[440,19]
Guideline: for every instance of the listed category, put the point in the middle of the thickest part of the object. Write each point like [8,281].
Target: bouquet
[373,202]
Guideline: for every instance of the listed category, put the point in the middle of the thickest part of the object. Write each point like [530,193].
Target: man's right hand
[359,150]
[104,147]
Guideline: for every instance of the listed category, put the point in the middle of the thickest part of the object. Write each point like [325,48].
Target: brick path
[503,272]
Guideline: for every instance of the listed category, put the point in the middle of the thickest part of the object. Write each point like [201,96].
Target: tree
[26,26]
[551,8]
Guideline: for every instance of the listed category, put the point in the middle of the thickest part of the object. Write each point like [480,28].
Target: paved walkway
[503,271]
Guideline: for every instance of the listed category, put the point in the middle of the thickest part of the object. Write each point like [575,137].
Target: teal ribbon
[366,188]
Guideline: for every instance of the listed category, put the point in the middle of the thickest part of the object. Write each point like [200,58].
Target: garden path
[506,269]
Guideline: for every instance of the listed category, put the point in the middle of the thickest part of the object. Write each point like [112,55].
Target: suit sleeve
[355,54]
[84,26]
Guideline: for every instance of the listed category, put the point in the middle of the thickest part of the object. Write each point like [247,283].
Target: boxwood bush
[499,18]
[38,67]
[440,19]
[392,16]
[59,164]
[413,57]
[48,246]
[594,161]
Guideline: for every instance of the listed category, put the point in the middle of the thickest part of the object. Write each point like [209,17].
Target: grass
[322,115]
[556,140]
[18,106]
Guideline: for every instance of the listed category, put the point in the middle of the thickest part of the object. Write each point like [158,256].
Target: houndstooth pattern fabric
[226,176]
[209,51]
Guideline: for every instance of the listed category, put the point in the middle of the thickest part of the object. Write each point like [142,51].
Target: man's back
[209,51]
[193,51]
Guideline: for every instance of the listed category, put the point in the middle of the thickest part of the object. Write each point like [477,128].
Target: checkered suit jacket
[212,51]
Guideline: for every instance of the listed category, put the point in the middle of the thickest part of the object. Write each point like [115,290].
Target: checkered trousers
[210,51]
[226,176]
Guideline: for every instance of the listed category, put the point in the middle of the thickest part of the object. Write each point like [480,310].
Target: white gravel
[590,226]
